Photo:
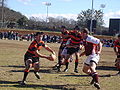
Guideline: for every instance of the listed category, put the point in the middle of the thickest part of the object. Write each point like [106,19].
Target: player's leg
[117,64]
[36,69]
[57,66]
[69,52]
[28,64]
[94,74]
[66,62]
[86,69]
[76,62]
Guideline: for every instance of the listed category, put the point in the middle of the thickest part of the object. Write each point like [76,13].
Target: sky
[66,8]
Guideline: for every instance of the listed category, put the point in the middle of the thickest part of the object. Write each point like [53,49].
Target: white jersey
[91,45]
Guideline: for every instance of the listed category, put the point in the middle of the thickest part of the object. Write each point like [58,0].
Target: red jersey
[64,39]
[35,46]
[75,38]
[117,44]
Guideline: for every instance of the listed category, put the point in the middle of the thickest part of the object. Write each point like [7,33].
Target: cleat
[92,82]
[97,85]
[76,70]
[37,75]
[23,83]
[55,68]
[58,69]
[66,69]
[118,74]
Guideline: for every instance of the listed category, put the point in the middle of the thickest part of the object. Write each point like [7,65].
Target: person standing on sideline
[117,52]
[31,57]
[93,48]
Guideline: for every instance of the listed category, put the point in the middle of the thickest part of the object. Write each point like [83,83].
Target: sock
[25,74]
[76,65]
[95,77]
[59,59]
[90,74]
[67,63]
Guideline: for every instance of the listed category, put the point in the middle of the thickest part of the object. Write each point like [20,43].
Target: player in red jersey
[31,57]
[65,37]
[117,52]
[93,48]
[73,47]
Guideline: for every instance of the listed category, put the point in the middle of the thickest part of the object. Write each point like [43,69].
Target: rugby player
[73,47]
[31,57]
[93,48]
[117,52]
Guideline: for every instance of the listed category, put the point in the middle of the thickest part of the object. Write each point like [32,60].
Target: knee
[36,65]
[29,63]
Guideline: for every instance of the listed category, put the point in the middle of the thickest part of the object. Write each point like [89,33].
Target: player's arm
[99,48]
[115,50]
[49,49]
[40,55]
[43,56]
[82,54]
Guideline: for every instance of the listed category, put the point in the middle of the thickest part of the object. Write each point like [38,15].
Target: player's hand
[53,53]
[52,57]
[98,52]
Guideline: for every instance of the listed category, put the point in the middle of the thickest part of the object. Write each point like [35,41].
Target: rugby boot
[37,75]
[97,85]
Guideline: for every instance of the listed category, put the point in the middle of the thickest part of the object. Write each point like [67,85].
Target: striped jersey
[35,46]
[75,38]
[117,44]
[64,39]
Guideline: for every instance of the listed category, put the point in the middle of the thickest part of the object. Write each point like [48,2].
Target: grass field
[12,66]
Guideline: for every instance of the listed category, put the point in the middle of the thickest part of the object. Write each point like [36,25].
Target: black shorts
[34,59]
[70,51]
[118,56]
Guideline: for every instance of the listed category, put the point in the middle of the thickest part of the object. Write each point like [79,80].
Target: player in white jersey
[93,48]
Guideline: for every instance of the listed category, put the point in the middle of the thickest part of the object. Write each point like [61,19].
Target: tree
[22,22]
[84,16]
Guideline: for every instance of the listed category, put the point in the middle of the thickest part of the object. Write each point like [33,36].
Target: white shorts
[64,52]
[94,57]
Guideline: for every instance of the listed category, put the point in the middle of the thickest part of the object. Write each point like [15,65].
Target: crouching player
[93,48]
[117,52]
[31,57]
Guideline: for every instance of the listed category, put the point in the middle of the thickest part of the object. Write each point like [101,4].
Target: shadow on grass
[16,84]
[106,68]
[14,66]
[8,82]
[41,71]
[107,75]
[36,86]
[74,75]
[17,66]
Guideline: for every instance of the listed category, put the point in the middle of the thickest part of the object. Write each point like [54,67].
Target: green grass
[12,66]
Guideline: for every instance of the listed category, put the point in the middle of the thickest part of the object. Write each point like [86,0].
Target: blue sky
[66,8]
